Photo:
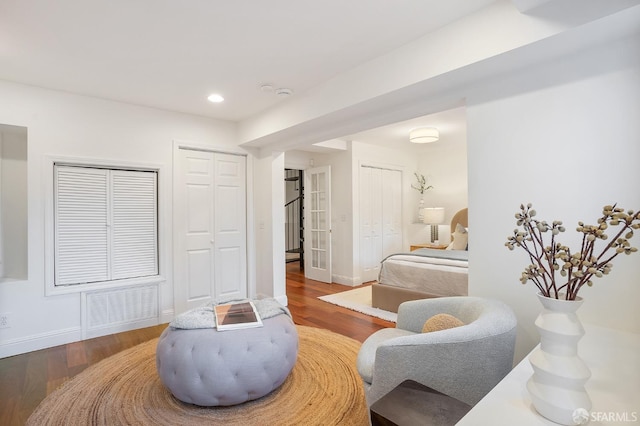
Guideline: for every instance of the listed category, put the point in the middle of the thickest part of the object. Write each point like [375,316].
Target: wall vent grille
[120,310]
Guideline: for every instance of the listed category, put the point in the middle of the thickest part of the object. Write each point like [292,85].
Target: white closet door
[391,212]
[134,204]
[105,224]
[194,281]
[210,226]
[81,225]
[366,245]
[370,222]
[380,218]
[230,226]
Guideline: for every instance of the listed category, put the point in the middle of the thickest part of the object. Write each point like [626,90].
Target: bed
[425,273]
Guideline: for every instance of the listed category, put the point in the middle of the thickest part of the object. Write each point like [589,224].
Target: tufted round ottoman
[210,368]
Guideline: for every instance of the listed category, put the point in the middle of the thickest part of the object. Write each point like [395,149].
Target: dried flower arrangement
[422,184]
[577,268]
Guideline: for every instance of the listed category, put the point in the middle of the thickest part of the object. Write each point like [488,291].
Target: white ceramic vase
[421,210]
[559,374]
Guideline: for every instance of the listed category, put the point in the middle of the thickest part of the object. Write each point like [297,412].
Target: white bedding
[433,275]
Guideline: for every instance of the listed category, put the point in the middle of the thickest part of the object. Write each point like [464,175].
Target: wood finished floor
[25,380]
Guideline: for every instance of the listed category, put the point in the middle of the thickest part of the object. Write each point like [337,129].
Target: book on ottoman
[232,316]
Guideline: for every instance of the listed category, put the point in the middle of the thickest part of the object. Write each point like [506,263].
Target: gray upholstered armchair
[464,362]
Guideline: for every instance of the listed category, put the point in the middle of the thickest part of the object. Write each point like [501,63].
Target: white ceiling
[172,54]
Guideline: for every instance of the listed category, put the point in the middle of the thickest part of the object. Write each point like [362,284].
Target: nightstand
[428,245]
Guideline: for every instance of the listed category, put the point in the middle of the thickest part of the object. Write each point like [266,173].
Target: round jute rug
[324,388]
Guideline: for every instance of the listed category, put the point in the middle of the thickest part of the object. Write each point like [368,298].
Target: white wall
[299,160]
[564,136]
[269,226]
[61,124]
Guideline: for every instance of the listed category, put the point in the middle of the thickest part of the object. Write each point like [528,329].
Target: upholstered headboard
[461,217]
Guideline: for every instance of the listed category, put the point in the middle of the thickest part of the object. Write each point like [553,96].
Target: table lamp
[433,216]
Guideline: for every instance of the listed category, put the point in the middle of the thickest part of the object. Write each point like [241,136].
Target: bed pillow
[441,322]
[460,238]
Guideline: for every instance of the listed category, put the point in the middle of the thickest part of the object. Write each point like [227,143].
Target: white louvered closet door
[81,251]
[134,245]
[105,225]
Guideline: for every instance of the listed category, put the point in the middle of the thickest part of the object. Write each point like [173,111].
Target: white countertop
[613,357]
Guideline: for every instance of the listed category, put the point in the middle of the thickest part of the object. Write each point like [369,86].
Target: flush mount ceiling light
[215,98]
[424,135]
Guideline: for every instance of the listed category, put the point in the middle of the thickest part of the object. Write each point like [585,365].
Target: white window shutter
[134,249]
[81,254]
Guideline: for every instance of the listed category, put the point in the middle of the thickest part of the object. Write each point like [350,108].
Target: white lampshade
[433,215]
[424,135]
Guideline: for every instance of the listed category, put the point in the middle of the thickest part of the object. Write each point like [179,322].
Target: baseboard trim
[40,341]
[283,300]
[167,316]
[345,280]
[119,328]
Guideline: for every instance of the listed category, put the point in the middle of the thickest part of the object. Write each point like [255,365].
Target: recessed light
[215,98]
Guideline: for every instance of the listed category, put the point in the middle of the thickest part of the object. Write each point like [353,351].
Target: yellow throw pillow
[441,322]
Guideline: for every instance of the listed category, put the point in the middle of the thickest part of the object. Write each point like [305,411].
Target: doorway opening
[294,216]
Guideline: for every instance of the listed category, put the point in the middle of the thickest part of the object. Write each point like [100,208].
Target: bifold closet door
[230,226]
[370,223]
[210,228]
[391,212]
[380,218]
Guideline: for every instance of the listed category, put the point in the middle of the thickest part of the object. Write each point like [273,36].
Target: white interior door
[210,227]
[317,224]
